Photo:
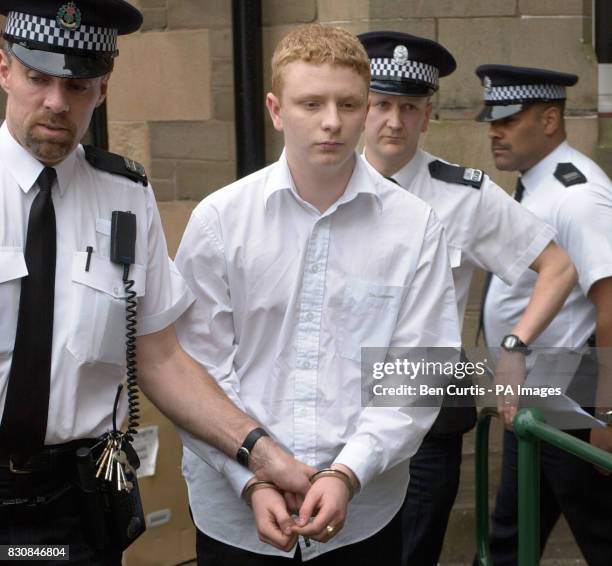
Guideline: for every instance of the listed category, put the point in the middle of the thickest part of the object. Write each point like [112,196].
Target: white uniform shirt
[285,298]
[582,215]
[483,227]
[88,358]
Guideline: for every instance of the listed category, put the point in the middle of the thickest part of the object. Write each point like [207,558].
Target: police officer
[484,228]
[62,346]
[524,108]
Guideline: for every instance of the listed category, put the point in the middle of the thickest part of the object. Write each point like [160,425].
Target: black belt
[50,458]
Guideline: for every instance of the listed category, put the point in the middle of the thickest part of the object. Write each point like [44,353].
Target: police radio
[110,486]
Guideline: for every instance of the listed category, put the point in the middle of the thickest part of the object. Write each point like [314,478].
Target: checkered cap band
[524,92]
[45,30]
[383,68]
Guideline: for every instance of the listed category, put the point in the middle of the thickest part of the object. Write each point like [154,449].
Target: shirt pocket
[98,316]
[454,256]
[368,316]
[12,269]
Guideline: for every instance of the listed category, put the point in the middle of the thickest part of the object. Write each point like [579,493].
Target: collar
[25,168]
[408,172]
[360,182]
[533,177]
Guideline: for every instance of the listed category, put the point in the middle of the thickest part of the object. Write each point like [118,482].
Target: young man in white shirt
[484,229]
[295,268]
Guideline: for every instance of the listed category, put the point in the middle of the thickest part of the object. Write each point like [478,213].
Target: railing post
[528,488]
[483,553]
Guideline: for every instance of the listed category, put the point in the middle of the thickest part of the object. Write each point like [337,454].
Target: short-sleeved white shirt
[582,216]
[88,358]
[483,226]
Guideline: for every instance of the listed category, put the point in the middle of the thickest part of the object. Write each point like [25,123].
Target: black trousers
[434,481]
[382,548]
[60,520]
[568,486]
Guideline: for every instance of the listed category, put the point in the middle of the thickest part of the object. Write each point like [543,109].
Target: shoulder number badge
[69,16]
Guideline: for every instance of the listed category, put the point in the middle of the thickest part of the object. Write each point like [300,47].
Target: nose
[56,99]
[393,118]
[494,131]
[331,118]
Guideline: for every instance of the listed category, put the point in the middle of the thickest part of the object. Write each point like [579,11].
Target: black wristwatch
[512,343]
[247,446]
[604,416]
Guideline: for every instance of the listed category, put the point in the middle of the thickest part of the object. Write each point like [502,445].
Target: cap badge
[69,16]
[487,84]
[400,54]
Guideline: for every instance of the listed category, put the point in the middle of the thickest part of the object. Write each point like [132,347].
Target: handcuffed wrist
[255,486]
[332,473]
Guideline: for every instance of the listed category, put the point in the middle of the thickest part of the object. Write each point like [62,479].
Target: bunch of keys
[115,464]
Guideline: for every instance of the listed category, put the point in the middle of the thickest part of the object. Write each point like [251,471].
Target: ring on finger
[330,530]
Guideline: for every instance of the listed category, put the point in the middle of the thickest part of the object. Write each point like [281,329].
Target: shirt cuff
[587,280]
[357,455]
[512,274]
[159,321]
[237,475]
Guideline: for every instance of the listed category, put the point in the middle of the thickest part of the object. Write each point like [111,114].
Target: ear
[103,89]
[552,120]
[428,109]
[273,106]
[5,71]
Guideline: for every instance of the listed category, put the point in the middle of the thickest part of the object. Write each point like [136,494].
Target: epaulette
[456,174]
[117,164]
[568,174]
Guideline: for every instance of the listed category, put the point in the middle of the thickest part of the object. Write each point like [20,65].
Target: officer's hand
[270,462]
[509,373]
[602,438]
[272,519]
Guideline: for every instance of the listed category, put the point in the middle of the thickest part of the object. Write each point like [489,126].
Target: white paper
[146,444]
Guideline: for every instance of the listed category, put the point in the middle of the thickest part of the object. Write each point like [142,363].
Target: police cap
[508,89]
[401,63]
[67,39]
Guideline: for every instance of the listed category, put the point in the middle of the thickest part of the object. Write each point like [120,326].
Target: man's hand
[510,371]
[326,503]
[268,461]
[272,519]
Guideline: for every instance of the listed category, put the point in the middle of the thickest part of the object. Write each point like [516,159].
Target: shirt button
[305,365]
[309,316]
[314,268]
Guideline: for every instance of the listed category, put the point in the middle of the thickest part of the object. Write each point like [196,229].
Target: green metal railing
[530,429]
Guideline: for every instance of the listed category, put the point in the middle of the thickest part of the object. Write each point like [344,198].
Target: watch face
[510,342]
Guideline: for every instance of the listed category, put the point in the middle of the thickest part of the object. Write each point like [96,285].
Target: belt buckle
[15,470]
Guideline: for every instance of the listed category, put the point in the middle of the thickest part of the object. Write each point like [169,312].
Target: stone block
[274,144]
[551,7]
[223,104]
[198,14]
[342,10]
[515,41]
[423,27]
[147,4]
[221,43]
[275,12]
[162,169]
[196,179]
[164,190]
[130,139]
[157,77]
[154,18]
[191,140]
[441,8]
[174,216]
[222,72]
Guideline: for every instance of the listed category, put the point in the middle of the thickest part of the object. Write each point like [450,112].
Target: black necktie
[24,421]
[518,197]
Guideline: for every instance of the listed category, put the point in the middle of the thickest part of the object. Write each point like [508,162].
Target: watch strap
[242,456]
